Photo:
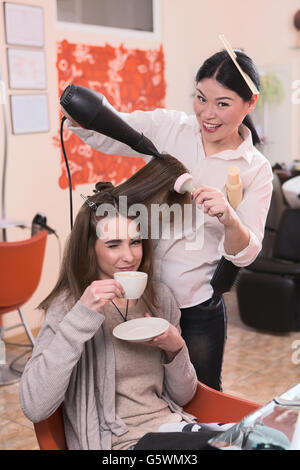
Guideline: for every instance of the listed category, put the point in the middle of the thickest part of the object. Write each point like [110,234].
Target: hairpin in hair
[233,56]
[91,204]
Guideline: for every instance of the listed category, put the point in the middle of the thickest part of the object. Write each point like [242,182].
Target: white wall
[189,34]
[33,169]
[264,29]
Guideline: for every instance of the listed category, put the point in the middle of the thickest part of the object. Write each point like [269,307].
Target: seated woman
[112,392]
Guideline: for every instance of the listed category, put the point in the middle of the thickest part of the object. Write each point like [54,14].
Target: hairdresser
[218,135]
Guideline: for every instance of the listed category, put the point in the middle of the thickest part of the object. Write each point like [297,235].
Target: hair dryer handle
[224,276]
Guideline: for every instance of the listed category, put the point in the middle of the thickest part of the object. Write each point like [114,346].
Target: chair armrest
[274,266]
[50,432]
[211,406]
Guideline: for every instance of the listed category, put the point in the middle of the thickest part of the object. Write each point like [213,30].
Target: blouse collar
[244,150]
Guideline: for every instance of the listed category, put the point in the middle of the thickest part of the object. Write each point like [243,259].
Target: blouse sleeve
[252,212]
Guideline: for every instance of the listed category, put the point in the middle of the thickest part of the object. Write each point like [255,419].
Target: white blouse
[185,265]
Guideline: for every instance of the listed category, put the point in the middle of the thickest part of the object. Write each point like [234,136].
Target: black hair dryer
[92,111]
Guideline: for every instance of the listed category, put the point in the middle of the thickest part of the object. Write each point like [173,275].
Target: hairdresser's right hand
[99,293]
[73,123]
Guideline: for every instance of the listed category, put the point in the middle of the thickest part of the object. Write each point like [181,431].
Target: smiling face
[220,111]
[120,247]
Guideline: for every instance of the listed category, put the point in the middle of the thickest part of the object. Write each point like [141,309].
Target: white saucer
[141,329]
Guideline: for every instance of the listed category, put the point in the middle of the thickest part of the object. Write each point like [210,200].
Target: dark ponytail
[249,123]
[222,68]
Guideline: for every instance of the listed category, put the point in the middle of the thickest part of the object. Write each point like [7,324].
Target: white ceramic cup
[133,282]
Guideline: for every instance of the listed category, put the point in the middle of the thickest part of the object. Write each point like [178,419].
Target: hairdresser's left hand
[214,203]
[170,341]
[73,123]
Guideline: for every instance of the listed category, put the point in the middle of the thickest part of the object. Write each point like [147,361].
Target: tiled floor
[257,366]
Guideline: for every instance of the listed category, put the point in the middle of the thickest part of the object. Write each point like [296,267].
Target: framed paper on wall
[26,69]
[24,25]
[29,113]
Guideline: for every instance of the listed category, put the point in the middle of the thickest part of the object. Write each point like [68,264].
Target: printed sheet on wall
[130,79]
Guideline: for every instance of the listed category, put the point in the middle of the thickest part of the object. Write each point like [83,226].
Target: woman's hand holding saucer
[170,341]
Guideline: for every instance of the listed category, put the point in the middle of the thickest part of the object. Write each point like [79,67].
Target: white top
[187,271]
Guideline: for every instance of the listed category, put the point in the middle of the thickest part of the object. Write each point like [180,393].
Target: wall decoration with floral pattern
[130,79]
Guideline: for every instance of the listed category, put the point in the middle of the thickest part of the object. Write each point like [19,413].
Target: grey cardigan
[73,364]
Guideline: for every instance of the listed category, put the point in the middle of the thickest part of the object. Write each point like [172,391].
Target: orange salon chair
[21,265]
[208,405]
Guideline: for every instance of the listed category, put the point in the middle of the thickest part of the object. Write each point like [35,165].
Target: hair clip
[91,204]
[233,56]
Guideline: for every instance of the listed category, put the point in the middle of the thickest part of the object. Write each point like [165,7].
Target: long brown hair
[152,184]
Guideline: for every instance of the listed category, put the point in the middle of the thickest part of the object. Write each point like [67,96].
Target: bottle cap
[233,175]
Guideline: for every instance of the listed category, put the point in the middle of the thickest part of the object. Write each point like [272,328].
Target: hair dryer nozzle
[146,147]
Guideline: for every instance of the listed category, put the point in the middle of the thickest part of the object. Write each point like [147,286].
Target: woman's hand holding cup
[99,293]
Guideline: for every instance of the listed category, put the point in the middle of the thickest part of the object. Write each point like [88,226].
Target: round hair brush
[184,184]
